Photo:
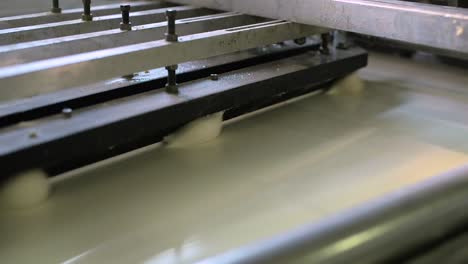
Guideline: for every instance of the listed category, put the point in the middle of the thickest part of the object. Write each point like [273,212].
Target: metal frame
[75,13]
[51,103]
[120,125]
[69,45]
[428,25]
[87,68]
[78,26]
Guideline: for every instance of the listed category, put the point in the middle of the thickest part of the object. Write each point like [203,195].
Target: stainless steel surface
[69,45]
[70,14]
[86,68]
[268,173]
[77,26]
[21,7]
[422,24]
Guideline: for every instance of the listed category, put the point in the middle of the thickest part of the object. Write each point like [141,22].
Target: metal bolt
[67,112]
[300,41]
[324,49]
[171,26]
[87,16]
[33,134]
[341,40]
[214,77]
[171,86]
[125,24]
[56,7]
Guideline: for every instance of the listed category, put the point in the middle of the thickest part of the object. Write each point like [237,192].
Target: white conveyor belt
[268,173]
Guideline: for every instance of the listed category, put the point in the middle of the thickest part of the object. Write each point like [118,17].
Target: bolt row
[171,36]
[126,25]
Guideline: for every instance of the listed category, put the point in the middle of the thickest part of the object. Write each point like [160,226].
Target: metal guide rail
[109,78]
[36,55]
[417,23]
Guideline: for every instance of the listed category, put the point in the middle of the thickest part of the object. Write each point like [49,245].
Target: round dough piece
[24,190]
[196,132]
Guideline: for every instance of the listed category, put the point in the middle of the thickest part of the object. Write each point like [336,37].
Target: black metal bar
[56,7]
[171,86]
[171,16]
[87,16]
[387,230]
[125,24]
[123,124]
[52,103]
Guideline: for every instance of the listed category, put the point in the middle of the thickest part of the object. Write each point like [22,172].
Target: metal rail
[121,124]
[78,26]
[47,75]
[70,14]
[428,25]
[69,45]
[36,107]
[389,230]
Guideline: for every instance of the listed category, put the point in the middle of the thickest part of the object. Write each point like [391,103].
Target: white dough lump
[24,190]
[196,132]
[351,84]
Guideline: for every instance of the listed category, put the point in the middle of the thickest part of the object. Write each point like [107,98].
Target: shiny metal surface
[21,7]
[267,174]
[90,67]
[69,45]
[407,220]
[66,14]
[433,26]
[78,26]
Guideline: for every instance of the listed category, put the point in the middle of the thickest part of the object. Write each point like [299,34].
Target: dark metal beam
[132,122]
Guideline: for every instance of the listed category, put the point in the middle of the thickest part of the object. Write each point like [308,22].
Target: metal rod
[125,24]
[407,220]
[87,15]
[171,16]
[171,86]
[56,7]
[105,64]
[76,26]
[325,49]
[63,46]
[428,25]
[70,14]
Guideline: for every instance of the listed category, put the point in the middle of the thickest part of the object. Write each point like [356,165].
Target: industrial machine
[82,86]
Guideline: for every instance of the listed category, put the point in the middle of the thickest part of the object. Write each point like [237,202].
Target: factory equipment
[79,86]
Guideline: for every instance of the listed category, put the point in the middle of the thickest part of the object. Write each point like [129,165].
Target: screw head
[67,112]
[172,67]
[171,13]
[125,8]
[214,77]
[300,41]
[33,134]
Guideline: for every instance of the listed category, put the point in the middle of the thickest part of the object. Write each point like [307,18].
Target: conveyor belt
[266,175]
